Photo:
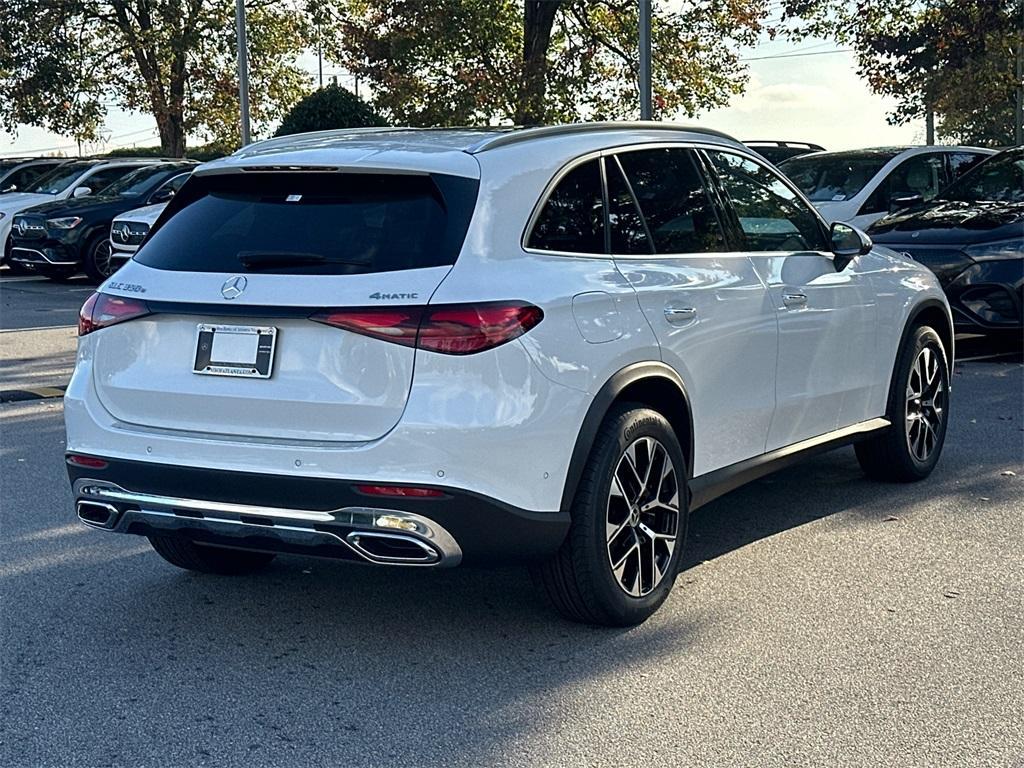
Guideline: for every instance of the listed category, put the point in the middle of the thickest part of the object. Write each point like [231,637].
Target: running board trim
[719,482]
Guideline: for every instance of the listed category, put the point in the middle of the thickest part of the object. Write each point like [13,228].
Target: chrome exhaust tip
[393,548]
[97,514]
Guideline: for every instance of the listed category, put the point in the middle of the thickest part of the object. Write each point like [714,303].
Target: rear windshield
[313,223]
[834,177]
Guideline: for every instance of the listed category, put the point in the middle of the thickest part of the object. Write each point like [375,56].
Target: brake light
[451,329]
[102,310]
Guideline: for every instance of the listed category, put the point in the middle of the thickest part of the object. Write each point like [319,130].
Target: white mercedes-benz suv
[427,347]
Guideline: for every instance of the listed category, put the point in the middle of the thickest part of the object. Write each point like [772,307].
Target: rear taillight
[102,311]
[451,329]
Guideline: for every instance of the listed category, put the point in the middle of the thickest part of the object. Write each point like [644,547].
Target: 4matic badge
[379,295]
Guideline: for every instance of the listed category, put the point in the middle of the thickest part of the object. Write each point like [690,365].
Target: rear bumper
[311,516]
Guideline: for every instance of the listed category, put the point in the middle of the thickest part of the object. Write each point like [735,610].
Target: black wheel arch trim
[602,403]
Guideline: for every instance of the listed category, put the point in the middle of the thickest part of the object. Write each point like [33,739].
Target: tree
[330,107]
[448,62]
[63,63]
[955,58]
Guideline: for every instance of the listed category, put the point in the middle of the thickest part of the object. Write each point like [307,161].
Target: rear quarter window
[313,223]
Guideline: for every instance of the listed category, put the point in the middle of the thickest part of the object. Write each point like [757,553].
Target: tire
[15,267]
[581,580]
[97,262]
[909,449]
[197,557]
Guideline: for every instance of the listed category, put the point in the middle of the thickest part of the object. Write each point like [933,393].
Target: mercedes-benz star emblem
[22,227]
[122,232]
[233,287]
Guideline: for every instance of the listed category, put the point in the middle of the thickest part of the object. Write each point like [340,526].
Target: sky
[813,95]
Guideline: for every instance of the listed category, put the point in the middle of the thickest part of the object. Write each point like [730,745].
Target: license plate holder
[245,351]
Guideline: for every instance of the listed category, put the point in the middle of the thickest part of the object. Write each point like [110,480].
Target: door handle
[679,315]
[794,299]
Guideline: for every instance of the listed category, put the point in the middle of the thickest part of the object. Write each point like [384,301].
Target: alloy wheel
[642,516]
[102,258]
[926,404]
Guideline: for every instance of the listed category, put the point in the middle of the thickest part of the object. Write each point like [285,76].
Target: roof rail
[546,131]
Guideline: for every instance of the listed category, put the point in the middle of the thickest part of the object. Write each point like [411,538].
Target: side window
[573,216]
[922,175]
[23,178]
[168,189]
[628,231]
[674,201]
[772,216]
[961,162]
[105,177]
[177,182]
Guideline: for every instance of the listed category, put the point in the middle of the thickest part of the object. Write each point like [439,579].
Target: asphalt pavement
[822,619]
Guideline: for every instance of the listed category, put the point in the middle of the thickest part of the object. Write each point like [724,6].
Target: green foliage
[329,107]
[63,63]
[466,62]
[202,153]
[957,57]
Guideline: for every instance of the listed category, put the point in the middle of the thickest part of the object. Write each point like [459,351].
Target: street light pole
[1018,116]
[243,68]
[646,113]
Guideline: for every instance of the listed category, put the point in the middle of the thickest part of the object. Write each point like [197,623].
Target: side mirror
[847,243]
[81,191]
[162,195]
[899,203]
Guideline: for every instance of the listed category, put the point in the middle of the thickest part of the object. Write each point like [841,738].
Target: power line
[797,55]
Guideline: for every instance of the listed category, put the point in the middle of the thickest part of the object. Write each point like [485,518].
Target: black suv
[972,236]
[58,239]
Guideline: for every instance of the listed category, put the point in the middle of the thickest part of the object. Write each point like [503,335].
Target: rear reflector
[451,329]
[86,461]
[102,310]
[400,490]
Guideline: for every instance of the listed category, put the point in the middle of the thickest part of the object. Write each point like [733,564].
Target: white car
[440,346]
[128,230]
[861,186]
[74,178]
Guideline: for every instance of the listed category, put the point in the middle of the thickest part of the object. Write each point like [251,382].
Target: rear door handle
[794,299]
[680,315]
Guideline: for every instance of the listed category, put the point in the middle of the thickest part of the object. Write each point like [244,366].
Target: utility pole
[1018,117]
[646,113]
[929,125]
[320,54]
[243,68]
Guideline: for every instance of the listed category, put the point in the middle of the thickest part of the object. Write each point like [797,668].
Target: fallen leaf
[984,498]
[891,519]
[951,593]
[1005,473]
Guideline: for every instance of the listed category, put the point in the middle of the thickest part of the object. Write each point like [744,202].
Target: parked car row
[59,223]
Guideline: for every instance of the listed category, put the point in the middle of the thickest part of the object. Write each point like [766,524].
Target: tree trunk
[172,132]
[538,20]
